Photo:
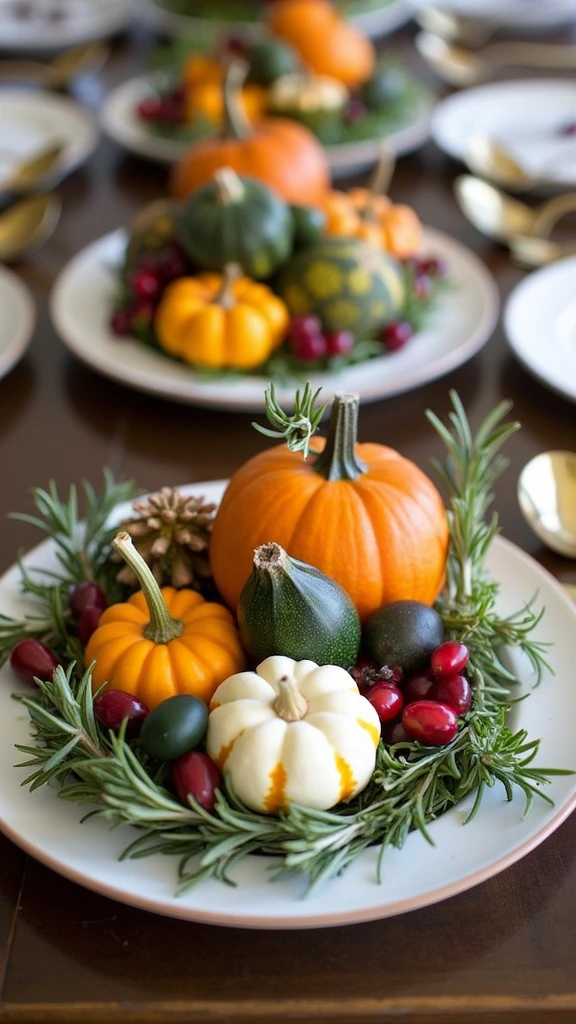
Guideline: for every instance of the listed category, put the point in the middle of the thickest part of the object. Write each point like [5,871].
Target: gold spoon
[462,67]
[500,216]
[531,251]
[28,174]
[489,159]
[454,27]
[547,498]
[27,224]
[59,72]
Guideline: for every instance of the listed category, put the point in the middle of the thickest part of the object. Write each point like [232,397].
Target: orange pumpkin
[390,226]
[361,513]
[282,153]
[326,43]
[206,100]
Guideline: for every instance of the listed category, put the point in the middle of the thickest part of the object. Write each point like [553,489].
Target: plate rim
[533,20]
[169,906]
[11,354]
[118,16]
[199,395]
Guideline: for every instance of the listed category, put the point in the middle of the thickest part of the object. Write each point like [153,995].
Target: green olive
[173,728]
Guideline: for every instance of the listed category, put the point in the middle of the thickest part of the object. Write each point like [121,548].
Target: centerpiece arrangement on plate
[311,668]
[237,276]
[311,67]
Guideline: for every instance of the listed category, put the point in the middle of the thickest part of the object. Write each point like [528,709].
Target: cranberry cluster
[309,342]
[421,276]
[423,707]
[167,108]
[145,285]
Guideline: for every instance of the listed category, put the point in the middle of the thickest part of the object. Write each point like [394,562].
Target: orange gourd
[361,513]
[326,43]
[206,100]
[282,153]
[374,218]
[161,643]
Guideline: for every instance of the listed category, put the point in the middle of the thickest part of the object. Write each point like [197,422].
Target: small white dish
[525,116]
[540,323]
[83,297]
[17,319]
[509,13]
[463,855]
[119,120]
[31,119]
[43,26]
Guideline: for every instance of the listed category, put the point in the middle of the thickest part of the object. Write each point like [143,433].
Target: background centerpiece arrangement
[306,703]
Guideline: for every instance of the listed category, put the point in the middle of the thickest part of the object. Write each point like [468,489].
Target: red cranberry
[150,108]
[172,263]
[234,43]
[30,659]
[386,699]
[429,722]
[355,111]
[568,129]
[145,284]
[434,267]
[449,658]
[454,691]
[396,335]
[113,706]
[172,110]
[88,623]
[339,343]
[85,595]
[304,325]
[306,339]
[422,286]
[195,774]
[417,688]
[121,322]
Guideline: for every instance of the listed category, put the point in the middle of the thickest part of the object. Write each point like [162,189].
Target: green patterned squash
[236,219]
[349,284]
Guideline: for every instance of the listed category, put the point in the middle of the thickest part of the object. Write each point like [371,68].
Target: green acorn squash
[236,219]
[348,284]
[269,59]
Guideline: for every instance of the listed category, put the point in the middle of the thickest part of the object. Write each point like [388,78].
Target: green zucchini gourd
[347,283]
[236,219]
[269,59]
[291,608]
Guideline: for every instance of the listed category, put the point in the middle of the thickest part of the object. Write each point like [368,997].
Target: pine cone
[171,531]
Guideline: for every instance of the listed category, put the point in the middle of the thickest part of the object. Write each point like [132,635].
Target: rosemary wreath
[412,784]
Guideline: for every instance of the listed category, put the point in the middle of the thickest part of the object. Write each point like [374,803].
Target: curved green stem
[236,124]
[162,627]
[338,460]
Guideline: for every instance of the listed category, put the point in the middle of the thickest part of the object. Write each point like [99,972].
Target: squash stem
[236,124]
[229,187]
[162,628]
[338,460]
[225,295]
[290,704]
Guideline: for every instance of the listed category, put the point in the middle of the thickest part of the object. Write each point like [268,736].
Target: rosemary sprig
[412,784]
[297,429]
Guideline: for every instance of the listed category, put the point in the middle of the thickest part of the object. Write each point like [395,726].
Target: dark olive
[174,727]
[403,633]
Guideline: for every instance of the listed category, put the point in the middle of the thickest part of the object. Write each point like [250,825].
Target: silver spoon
[461,67]
[502,217]
[34,170]
[547,498]
[27,224]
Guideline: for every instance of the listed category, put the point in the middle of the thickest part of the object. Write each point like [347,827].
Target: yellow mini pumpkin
[217,321]
[360,213]
[293,732]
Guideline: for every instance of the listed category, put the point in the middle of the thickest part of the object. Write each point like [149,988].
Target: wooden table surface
[502,952]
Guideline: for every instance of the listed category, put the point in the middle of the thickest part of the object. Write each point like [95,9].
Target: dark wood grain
[502,953]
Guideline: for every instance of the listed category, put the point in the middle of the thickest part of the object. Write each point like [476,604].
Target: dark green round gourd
[269,59]
[236,219]
[309,223]
[403,633]
[384,87]
[174,727]
[289,607]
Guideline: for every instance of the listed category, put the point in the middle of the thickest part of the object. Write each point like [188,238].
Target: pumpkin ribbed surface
[383,536]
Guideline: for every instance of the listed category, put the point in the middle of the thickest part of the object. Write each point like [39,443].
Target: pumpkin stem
[381,179]
[290,704]
[229,187]
[338,459]
[162,628]
[236,124]
[225,294]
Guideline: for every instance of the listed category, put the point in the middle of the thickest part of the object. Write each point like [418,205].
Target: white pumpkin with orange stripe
[293,732]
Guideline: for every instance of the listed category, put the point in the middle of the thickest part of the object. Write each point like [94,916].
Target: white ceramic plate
[30,120]
[119,119]
[416,876]
[51,25]
[17,319]
[525,116]
[376,22]
[540,322]
[83,294]
[509,13]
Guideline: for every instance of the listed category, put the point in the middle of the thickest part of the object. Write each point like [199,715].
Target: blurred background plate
[508,13]
[17,319]
[41,26]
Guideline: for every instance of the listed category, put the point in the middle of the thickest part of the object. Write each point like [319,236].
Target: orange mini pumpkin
[361,513]
[282,153]
[374,218]
[326,43]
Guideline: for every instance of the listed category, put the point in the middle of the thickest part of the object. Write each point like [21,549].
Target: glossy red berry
[449,658]
[355,111]
[396,335]
[434,267]
[454,691]
[307,341]
[88,622]
[429,722]
[339,343]
[145,283]
[304,325]
[422,286]
[86,595]
[30,659]
[386,699]
[113,706]
[121,322]
[195,774]
[150,108]
[417,687]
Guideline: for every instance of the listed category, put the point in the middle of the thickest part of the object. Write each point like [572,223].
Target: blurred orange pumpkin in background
[326,43]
